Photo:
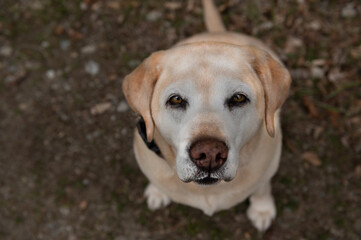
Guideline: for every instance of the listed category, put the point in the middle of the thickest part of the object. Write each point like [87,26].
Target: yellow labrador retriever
[210,134]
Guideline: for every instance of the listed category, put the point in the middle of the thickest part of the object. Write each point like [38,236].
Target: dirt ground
[67,170]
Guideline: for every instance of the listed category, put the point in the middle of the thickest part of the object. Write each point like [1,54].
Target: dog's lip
[207,181]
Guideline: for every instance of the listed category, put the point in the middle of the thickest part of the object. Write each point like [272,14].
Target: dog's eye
[237,100]
[177,101]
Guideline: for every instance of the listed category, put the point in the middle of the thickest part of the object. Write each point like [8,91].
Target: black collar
[143,133]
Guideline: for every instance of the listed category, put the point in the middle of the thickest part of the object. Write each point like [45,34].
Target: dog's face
[207,100]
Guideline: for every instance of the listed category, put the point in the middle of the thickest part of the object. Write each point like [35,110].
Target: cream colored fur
[207,68]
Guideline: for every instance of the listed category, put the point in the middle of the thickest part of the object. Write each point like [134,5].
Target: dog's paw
[155,198]
[261,213]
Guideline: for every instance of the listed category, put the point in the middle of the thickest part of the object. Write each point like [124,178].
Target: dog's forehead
[192,58]
[205,63]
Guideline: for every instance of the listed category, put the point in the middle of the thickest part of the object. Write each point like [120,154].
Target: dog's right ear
[138,89]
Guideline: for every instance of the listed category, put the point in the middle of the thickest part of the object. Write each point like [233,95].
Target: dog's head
[207,100]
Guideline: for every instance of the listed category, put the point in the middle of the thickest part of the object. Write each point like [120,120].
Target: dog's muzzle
[208,155]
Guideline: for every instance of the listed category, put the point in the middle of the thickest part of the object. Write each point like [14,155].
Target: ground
[67,169]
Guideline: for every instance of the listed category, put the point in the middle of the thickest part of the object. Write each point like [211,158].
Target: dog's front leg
[262,208]
[156,199]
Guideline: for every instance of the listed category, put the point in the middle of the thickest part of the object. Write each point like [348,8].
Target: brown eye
[177,101]
[237,100]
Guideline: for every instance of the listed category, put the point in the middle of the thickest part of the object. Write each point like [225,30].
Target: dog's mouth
[207,181]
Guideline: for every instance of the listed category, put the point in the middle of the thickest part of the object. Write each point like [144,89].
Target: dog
[209,135]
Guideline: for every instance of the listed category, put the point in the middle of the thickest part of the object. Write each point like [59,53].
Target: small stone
[72,237]
[85,181]
[64,45]
[349,11]
[100,108]
[67,87]
[124,131]
[6,51]
[317,72]
[30,65]
[153,16]
[64,211]
[120,19]
[23,106]
[335,74]
[133,63]
[92,68]
[263,27]
[44,44]
[122,107]
[50,74]
[36,5]
[88,49]
[292,44]
[83,6]
[315,25]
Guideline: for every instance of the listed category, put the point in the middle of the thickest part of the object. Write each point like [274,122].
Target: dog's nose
[208,154]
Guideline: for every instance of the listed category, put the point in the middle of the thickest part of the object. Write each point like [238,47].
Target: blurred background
[67,168]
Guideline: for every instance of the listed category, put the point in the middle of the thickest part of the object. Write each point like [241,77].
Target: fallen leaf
[100,108]
[358,171]
[290,146]
[114,5]
[83,204]
[59,30]
[356,52]
[311,108]
[172,5]
[311,158]
[335,119]
[75,35]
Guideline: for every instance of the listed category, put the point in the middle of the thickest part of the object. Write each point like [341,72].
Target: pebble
[64,211]
[88,49]
[92,68]
[85,181]
[153,16]
[44,44]
[349,11]
[124,131]
[50,74]
[64,45]
[292,44]
[36,5]
[315,25]
[6,51]
[83,6]
[122,107]
[133,63]
[317,72]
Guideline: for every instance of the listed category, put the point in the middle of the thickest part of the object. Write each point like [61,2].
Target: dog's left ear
[276,81]
[138,89]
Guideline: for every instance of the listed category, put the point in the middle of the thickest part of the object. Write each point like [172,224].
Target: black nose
[208,154]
